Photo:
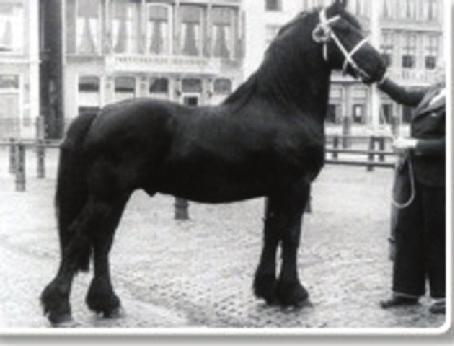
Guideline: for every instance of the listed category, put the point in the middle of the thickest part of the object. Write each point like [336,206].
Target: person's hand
[382,80]
[401,145]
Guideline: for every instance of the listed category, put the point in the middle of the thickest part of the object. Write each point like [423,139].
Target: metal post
[371,157]
[20,168]
[40,128]
[12,155]
[41,159]
[346,131]
[375,34]
[308,209]
[381,143]
[335,146]
[181,209]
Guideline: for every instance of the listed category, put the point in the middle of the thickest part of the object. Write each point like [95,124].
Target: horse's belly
[212,186]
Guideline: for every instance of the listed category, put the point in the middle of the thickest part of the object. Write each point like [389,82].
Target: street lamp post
[375,41]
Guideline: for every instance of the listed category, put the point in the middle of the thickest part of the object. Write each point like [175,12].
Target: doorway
[191,99]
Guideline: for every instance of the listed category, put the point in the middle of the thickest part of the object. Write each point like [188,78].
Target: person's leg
[434,202]
[408,267]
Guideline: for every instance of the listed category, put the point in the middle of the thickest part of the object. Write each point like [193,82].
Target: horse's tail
[72,189]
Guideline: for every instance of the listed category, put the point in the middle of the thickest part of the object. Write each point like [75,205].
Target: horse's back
[138,115]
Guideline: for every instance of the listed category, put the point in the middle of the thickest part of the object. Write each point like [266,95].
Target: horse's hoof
[265,288]
[292,295]
[116,313]
[63,321]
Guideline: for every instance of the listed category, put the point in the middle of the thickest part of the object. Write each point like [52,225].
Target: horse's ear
[341,3]
[338,6]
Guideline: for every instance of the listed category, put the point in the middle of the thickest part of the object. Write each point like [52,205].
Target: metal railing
[376,152]
[342,150]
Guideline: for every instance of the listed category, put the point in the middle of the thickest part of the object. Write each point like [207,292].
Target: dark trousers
[420,235]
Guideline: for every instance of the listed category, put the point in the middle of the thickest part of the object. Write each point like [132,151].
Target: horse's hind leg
[92,228]
[56,295]
[101,297]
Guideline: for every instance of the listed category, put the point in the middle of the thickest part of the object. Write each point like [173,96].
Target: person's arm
[430,147]
[405,96]
[421,147]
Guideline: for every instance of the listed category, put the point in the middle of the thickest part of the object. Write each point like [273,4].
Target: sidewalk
[199,273]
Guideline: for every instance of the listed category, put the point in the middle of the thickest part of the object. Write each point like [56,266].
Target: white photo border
[444,330]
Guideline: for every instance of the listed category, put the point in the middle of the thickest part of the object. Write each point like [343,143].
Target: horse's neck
[307,94]
[280,84]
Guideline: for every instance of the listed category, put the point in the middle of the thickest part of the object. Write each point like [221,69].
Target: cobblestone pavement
[199,273]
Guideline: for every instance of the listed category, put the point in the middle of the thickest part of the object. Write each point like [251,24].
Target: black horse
[266,139]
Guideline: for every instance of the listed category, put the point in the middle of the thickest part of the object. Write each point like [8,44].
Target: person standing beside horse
[420,225]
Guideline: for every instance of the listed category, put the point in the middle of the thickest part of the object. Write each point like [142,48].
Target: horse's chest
[300,152]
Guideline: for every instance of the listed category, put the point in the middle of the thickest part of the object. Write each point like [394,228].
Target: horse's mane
[352,19]
[246,90]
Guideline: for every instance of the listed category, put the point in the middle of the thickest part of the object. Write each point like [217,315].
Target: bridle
[323,33]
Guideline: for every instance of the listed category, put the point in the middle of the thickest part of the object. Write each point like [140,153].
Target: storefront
[19,74]
[183,52]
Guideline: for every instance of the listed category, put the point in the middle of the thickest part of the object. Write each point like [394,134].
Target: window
[10,82]
[409,51]
[358,7]
[11,26]
[310,4]
[88,84]
[125,26]
[430,10]
[9,105]
[191,85]
[358,113]
[89,88]
[430,62]
[125,88]
[432,45]
[83,22]
[222,32]
[191,30]
[88,27]
[273,5]
[387,47]
[388,9]
[222,86]
[159,35]
[159,88]
[386,113]
[409,9]
[331,116]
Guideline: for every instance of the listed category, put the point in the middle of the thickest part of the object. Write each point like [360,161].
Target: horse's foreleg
[289,290]
[101,297]
[265,276]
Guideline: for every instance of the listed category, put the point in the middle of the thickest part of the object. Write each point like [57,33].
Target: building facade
[182,50]
[410,39]
[19,68]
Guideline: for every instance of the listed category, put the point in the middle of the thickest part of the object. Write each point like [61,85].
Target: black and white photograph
[225,167]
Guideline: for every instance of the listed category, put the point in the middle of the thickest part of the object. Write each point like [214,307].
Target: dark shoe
[398,301]
[438,307]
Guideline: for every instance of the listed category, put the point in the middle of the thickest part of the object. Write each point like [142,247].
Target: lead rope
[399,205]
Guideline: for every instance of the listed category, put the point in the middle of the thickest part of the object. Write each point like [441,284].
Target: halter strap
[325,27]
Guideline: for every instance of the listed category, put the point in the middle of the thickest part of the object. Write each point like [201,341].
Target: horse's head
[344,45]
